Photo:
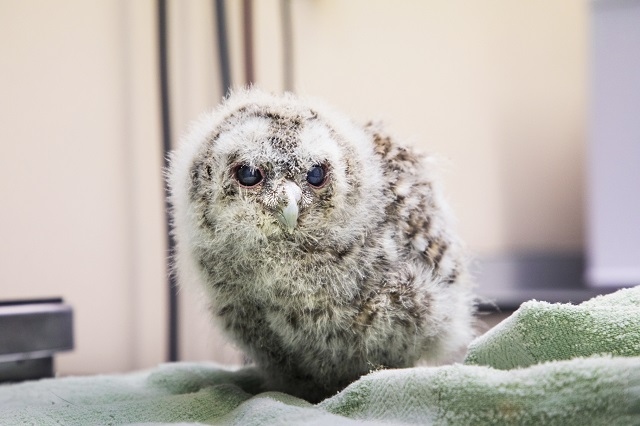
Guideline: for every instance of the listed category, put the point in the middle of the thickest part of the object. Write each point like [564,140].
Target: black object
[505,281]
[31,333]
[172,349]
[247,39]
[223,46]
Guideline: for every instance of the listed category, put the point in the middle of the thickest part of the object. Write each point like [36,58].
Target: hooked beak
[288,215]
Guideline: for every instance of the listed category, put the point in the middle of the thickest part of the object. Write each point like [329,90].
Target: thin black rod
[223,46]
[172,353]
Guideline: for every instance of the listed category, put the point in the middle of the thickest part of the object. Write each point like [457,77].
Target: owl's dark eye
[248,176]
[316,176]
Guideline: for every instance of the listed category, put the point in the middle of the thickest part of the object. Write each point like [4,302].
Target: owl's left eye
[316,176]
[248,176]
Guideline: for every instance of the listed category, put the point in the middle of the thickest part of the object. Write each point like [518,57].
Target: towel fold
[553,384]
[540,331]
[580,391]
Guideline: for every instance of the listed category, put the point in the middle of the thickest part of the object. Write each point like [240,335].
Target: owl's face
[281,170]
[278,173]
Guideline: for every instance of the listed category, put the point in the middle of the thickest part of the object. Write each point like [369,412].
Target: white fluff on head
[370,274]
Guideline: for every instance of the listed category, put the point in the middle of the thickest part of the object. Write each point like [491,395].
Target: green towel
[601,389]
[541,331]
[581,391]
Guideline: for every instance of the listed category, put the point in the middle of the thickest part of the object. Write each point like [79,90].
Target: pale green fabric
[541,331]
[602,389]
[580,391]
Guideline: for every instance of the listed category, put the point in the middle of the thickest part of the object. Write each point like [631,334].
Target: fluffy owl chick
[325,248]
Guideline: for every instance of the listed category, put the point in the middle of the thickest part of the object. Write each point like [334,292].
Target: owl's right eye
[248,176]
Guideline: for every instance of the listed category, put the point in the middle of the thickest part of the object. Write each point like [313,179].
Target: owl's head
[265,167]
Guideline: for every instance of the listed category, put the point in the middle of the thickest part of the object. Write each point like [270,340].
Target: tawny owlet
[325,248]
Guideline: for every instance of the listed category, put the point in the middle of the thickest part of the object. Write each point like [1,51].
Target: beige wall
[81,213]
[496,87]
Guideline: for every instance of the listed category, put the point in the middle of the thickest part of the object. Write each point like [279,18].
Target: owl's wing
[418,207]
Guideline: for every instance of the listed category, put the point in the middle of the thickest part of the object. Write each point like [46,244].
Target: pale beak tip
[290,216]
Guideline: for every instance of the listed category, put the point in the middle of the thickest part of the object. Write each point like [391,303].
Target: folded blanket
[541,331]
[580,391]
[601,389]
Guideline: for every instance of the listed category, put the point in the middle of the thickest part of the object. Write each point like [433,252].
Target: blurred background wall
[81,196]
[497,88]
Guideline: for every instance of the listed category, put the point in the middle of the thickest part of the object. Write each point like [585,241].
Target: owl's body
[325,249]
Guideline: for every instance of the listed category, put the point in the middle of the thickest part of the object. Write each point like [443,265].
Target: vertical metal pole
[172,354]
[247,33]
[223,46]
[287,45]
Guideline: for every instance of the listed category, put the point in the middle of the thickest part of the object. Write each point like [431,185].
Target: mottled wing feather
[414,208]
